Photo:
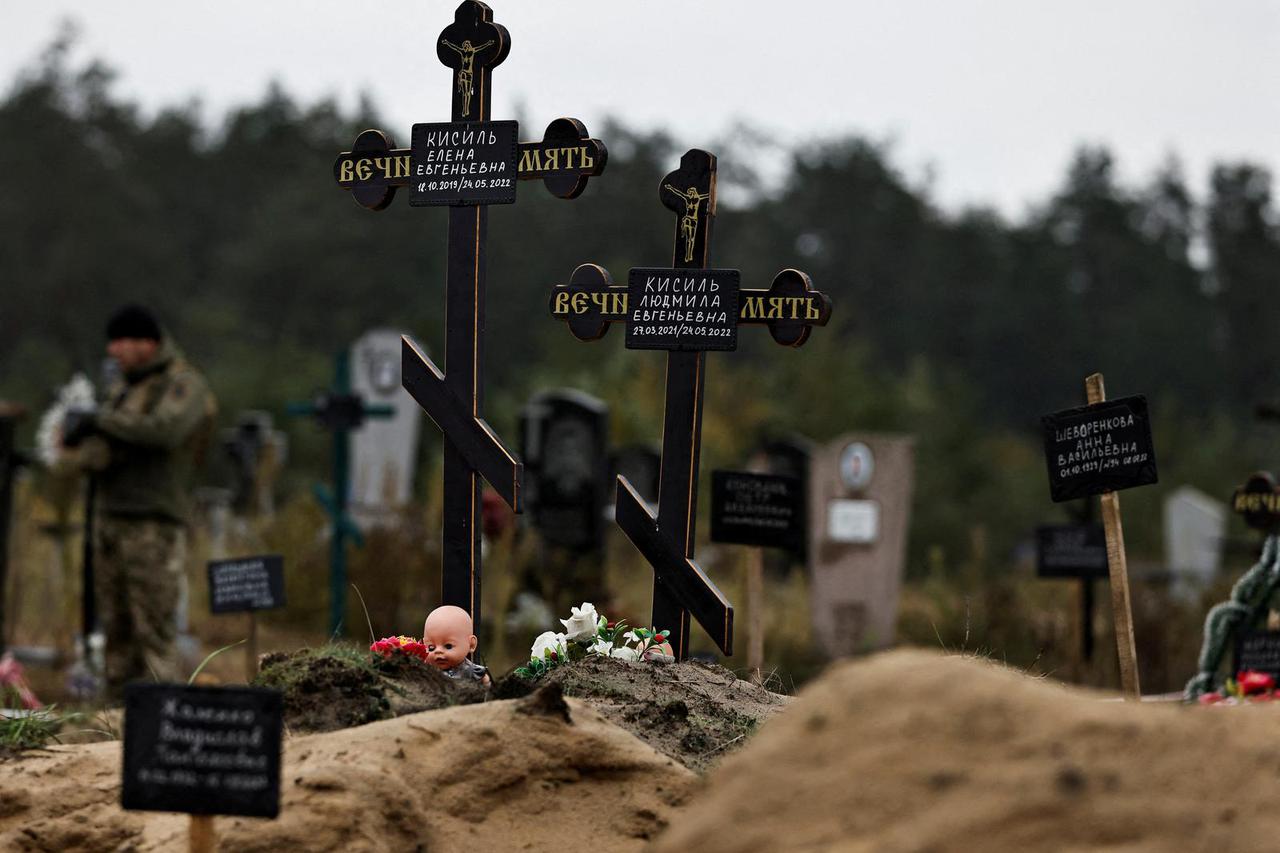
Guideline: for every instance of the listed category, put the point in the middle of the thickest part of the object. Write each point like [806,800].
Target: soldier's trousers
[139,579]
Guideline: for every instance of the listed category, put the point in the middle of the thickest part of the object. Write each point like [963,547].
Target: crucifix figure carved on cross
[685,310]
[467,164]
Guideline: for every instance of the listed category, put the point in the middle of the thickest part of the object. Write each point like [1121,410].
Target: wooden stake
[251,649]
[1121,609]
[201,837]
[755,612]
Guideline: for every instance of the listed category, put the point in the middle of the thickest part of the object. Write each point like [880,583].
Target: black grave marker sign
[1258,651]
[246,583]
[757,509]
[463,163]
[1071,551]
[677,310]
[1258,502]
[790,455]
[589,303]
[373,170]
[202,750]
[1103,447]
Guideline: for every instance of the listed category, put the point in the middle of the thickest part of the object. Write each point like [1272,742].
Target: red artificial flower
[1252,682]
[1210,698]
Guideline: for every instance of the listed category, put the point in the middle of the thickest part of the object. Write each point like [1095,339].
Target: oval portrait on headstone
[857,465]
[384,370]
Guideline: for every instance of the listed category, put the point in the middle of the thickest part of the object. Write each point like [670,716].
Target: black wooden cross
[686,313]
[467,164]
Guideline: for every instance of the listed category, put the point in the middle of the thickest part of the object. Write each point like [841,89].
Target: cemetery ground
[905,750]
[972,737]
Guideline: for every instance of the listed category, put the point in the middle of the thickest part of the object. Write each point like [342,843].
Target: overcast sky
[989,97]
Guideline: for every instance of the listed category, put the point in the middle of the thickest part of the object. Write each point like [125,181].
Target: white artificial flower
[582,623]
[601,647]
[76,394]
[631,637]
[548,641]
[625,653]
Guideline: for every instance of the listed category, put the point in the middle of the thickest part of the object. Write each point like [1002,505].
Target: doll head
[449,636]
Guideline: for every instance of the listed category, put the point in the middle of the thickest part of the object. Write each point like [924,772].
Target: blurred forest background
[961,328]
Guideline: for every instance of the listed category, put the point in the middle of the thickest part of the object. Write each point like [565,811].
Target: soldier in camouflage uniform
[141,447]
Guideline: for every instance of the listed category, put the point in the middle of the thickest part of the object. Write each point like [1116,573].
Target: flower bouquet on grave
[390,647]
[1247,688]
[13,686]
[589,634]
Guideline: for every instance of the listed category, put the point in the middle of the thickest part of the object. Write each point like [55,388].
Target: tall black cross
[685,313]
[467,164]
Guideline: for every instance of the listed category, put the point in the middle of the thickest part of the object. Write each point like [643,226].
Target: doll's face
[447,636]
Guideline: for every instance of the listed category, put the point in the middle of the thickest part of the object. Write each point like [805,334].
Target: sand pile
[528,774]
[912,751]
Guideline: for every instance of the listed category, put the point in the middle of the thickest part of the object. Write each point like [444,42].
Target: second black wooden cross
[467,164]
[686,310]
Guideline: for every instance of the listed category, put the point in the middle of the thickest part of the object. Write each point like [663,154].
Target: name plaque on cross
[462,163]
[1258,502]
[685,310]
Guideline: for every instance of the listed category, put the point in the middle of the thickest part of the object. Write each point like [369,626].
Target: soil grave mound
[916,751]
[693,712]
[540,773]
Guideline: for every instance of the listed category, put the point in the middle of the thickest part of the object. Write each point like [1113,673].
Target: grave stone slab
[857,577]
[384,451]
[640,465]
[564,441]
[1194,527]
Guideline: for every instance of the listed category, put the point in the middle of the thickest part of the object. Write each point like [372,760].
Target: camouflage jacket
[152,425]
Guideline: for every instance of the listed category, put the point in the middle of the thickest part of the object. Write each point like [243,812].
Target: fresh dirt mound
[337,687]
[693,712]
[912,751]
[513,775]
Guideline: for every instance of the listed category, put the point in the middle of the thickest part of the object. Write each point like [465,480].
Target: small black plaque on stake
[463,163]
[1071,551]
[688,310]
[202,750]
[757,509]
[246,583]
[1104,447]
[1258,651]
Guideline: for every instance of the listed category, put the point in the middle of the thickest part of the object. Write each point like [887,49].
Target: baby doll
[449,637]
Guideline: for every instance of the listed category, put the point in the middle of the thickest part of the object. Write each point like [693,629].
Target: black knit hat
[133,321]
